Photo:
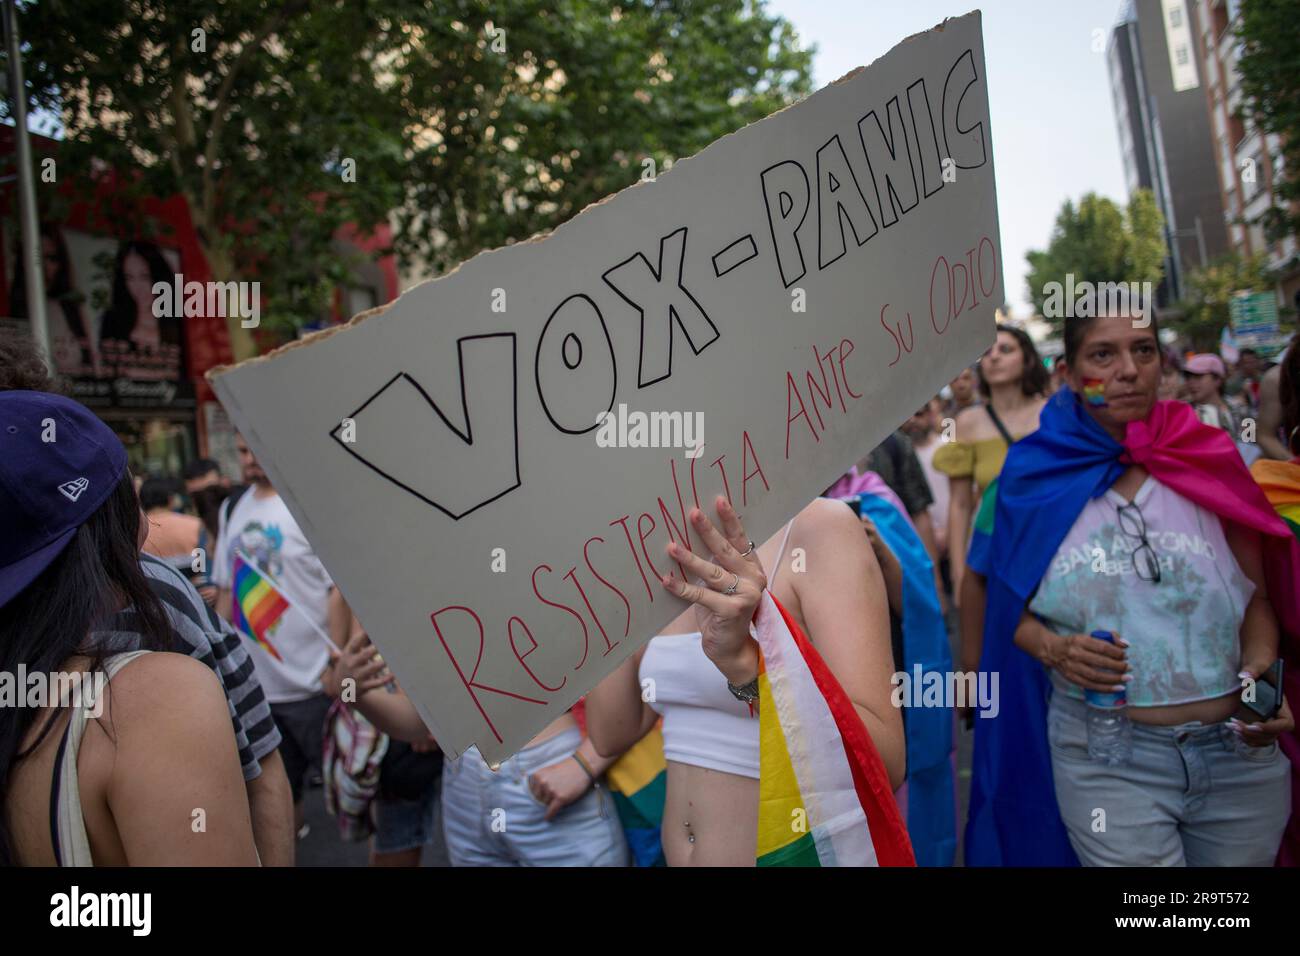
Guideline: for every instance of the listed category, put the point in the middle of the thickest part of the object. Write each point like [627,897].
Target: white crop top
[704,725]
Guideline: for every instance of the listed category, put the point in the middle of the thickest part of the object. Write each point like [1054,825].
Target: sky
[1054,135]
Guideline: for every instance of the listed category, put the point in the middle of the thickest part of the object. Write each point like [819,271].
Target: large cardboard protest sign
[797,289]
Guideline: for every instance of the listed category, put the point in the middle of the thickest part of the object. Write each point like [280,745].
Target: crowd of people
[1125,523]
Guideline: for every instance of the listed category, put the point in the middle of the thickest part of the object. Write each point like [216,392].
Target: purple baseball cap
[58,464]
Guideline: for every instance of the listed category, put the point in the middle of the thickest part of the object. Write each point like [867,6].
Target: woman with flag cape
[1114,493]
[781,742]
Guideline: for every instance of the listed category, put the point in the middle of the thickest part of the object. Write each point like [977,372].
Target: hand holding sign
[359,662]
[728,596]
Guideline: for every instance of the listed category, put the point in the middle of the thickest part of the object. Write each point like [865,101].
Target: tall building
[1164,131]
[1247,161]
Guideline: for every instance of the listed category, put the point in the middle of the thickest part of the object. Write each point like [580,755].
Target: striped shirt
[203,635]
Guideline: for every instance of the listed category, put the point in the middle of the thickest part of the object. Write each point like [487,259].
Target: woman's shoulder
[160,685]
[973,424]
[823,515]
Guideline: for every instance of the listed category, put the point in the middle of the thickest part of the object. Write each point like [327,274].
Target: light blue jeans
[1191,795]
[493,819]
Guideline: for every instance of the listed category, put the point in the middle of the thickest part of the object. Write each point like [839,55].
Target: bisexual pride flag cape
[1047,479]
[256,604]
[824,794]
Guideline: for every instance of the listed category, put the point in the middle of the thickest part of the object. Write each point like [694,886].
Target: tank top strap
[67,824]
[776,567]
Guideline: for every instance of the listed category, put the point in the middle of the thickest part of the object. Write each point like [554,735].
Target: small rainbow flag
[257,605]
[1094,392]
[824,793]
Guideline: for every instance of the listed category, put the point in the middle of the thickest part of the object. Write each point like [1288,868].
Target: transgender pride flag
[824,794]
[256,605]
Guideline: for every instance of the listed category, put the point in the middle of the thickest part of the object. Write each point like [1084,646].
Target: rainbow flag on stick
[824,794]
[256,605]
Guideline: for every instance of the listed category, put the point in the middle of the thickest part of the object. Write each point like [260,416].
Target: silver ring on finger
[734,584]
[748,551]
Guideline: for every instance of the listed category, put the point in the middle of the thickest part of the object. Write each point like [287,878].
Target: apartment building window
[1176,17]
[1220,20]
[1257,242]
[1236,131]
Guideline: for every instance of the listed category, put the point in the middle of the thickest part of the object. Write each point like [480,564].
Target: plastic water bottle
[1110,736]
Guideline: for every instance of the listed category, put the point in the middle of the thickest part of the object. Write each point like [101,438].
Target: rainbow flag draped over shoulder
[256,605]
[824,794]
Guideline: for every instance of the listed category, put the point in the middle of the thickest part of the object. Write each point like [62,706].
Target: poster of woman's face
[99,307]
[72,345]
[133,340]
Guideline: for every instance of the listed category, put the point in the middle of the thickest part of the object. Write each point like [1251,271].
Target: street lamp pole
[31,238]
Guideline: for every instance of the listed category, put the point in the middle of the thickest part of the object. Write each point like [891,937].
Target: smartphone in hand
[1268,693]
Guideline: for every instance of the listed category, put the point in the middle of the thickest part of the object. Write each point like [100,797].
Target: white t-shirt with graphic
[1184,632]
[264,531]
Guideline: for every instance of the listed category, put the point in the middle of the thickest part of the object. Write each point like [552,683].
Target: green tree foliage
[1097,241]
[1269,31]
[467,124]
[1207,308]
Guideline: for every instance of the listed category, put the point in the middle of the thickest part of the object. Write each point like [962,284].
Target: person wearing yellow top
[1014,384]
[980,461]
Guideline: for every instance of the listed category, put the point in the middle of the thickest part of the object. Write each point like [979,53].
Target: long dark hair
[56,616]
[1289,393]
[120,317]
[1034,377]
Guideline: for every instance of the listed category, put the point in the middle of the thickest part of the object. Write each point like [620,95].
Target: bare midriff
[710,817]
[1212,711]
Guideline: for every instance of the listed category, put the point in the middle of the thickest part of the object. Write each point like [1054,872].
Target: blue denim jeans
[493,819]
[406,824]
[1191,795]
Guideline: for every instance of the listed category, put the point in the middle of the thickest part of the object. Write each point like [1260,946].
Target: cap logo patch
[72,489]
